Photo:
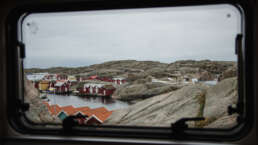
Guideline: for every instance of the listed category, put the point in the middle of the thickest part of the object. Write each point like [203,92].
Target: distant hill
[153,68]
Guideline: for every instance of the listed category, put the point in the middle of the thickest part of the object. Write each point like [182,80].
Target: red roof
[101,113]
[82,109]
[69,110]
[103,116]
[101,109]
[93,77]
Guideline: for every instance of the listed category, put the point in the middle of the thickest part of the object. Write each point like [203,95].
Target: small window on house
[144,67]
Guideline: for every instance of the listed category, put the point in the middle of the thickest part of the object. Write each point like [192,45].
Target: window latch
[21,47]
[179,126]
[239,108]
[71,121]
[238,44]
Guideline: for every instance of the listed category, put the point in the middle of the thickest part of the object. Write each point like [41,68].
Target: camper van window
[160,68]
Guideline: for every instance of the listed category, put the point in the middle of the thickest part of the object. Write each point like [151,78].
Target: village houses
[66,84]
[85,115]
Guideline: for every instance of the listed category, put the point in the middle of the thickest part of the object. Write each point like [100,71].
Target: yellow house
[43,85]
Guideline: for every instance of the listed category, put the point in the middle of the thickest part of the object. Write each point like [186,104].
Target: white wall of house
[194,80]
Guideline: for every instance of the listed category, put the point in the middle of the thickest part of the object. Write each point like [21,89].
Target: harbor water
[92,102]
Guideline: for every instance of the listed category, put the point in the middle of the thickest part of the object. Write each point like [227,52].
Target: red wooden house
[52,84]
[119,80]
[61,87]
[105,79]
[116,80]
[97,89]
[36,84]
[93,77]
[51,77]
[61,77]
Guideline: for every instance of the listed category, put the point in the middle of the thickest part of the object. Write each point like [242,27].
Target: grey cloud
[166,35]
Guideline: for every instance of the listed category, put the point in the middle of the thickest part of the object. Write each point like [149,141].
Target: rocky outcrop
[224,122]
[206,76]
[163,109]
[197,100]
[218,98]
[214,67]
[38,112]
[105,72]
[142,91]
[230,72]
[132,77]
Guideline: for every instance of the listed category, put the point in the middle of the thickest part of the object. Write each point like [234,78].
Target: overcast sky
[157,34]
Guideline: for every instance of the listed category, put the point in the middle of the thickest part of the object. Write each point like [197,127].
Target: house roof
[44,82]
[118,78]
[100,113]
[70,110]
[53,109]
[93,77]
[103,116]
[82,108]
[59,84]
[94,117]
[36,76]
[93,85]
[100,109]
[95,81]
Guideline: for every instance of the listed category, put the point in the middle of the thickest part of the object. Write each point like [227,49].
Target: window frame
[21,124]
